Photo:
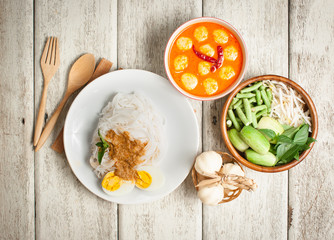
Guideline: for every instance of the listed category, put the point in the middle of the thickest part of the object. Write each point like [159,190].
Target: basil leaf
[272,149]
[282,149]
[302,135]
[103,145]
[282,162]
[283,139]
[297,156]
[268,132]
[279,163]
[304,147]
[310,140]
[291,132]
[100,155]
[291,153]
[286,127]
[102,139]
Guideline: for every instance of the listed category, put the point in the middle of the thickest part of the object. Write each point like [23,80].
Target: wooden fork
[49,65]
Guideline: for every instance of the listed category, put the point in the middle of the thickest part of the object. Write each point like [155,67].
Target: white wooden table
[41,198]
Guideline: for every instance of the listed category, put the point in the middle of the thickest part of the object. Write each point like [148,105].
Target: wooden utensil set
[81,73]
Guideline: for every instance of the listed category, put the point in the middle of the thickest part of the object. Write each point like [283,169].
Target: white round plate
[182,130]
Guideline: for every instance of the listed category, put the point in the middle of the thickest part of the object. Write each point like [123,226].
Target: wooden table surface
[41,198]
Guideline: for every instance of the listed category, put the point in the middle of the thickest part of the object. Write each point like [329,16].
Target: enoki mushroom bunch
[219,179]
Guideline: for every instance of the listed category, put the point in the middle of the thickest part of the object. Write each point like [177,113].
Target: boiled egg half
[150,178]
[115,186]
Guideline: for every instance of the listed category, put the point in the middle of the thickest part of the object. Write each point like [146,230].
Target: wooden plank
[65,209]
[262,214]
[311,188]
[143,30]
[16,124]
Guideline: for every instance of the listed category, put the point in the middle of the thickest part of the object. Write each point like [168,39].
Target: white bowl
[225,25]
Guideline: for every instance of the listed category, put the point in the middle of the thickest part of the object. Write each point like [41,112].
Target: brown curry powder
[126,152]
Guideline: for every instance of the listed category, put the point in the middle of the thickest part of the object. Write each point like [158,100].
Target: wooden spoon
[80,73]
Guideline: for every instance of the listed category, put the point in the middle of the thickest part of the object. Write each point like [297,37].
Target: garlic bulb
[208,163]
[211,195]
[230,168]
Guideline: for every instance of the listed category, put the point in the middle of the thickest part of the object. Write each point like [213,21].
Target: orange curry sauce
[193,60]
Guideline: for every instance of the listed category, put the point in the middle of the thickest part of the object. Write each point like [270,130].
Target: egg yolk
[201,33]
[207,50]
[143,180]
[180,62]
[220,36]
[226,73]
[184,43]
[230,53]
[111,182]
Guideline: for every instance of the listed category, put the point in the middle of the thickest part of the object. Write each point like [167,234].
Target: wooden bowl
[229,195]
[306,98]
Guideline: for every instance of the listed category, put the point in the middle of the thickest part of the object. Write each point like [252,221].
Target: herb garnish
[103,145]
[269,133]
[290,143]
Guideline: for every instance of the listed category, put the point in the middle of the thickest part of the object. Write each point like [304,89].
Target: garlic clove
[230,168]
[208,163]
[211,195]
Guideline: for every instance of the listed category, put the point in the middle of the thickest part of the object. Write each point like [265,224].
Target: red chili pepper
[220,60]
[203,56]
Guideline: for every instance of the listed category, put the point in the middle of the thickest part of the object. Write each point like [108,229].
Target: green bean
[242,116]
[261,113]
[239,121]
[259,108]
[237,104]
[229,123]
[258,97]
[265,99]
[247,109]
[245,95]
[262,87]
[251,88]
[234,100]
[234,121]
[254,120]
[252,100]
[269,95]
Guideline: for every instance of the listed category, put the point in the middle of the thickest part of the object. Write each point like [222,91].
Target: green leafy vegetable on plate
[103,145]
